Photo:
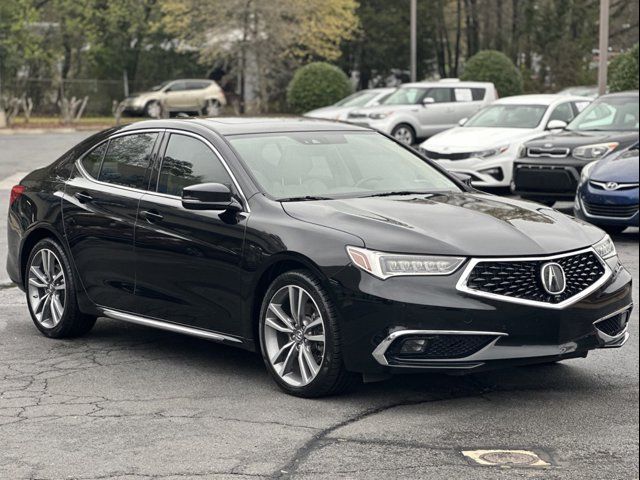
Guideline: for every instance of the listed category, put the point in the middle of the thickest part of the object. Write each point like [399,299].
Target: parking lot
[130,402]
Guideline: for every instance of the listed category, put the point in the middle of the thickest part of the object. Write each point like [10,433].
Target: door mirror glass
[463,121]
[556,125]
[209,196]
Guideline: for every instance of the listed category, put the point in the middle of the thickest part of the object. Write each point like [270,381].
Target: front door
[189,262]
[100,211]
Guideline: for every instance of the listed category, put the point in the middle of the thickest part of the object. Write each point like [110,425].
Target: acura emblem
[611,186]
[553,278]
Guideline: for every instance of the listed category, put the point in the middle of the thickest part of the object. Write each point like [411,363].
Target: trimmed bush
[317,85]
[496,67]
[623,71]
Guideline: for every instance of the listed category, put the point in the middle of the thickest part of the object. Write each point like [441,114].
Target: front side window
[188,161]
[508,116]
[608,114]
[440,95]
[335,165]
[93,160]
[127,160]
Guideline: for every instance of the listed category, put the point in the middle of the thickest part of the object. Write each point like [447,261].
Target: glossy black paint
[144,253]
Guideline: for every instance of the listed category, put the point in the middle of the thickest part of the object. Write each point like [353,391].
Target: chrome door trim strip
[171,327]
[383,346]
[462,283]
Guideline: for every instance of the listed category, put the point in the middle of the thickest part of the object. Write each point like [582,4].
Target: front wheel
[212,108]
[300,337]
[51,294]
[404,134]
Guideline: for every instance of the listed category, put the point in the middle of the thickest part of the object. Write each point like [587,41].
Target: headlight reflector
[605,248]
[593,152]
[385,265]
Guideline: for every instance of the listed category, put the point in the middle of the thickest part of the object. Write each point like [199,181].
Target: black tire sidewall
[332,360]
[408,127]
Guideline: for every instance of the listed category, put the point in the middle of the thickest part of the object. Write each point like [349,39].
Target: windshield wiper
[304,198]
[399,192]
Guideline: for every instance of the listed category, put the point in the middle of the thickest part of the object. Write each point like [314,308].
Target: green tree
[623,71]
[493,66]
[317,85]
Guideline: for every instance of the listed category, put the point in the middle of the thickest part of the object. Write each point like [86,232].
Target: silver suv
[190,95]
[418,110]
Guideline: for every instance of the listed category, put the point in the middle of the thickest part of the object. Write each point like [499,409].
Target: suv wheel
[212,108]
[404,133]
[153,109]
[51,293]
[300,337]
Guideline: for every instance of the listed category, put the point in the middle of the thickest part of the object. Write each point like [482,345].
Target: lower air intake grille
[441,347]
[613,326]
[522,279]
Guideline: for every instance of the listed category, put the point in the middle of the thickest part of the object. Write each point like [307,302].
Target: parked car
[485,146]
[178,96]
[608,192]
[329,248]
[340,110]
[583,91]
[548,168]
[418,110]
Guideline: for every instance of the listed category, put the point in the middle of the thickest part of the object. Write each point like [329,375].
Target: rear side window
[127,160]
[188,161]
[463,95]
[93,160]
[478,94]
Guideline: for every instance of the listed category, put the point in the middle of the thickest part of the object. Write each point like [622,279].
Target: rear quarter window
[92,161]
[127,160]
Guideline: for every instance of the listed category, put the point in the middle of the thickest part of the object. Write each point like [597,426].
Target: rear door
[189,262]
[100,210]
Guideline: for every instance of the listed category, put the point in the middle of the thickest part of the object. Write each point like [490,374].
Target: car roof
[447,83]
[628,93]
[227,126]
[539,99]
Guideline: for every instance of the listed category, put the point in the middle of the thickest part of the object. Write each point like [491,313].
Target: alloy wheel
[404,135]
[47,288]
[212,109]
[294,335]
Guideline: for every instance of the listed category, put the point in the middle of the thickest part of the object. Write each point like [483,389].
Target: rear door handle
[153,216]
[83,197]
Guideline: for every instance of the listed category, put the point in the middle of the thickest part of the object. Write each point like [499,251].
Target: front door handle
[83,197]
[153,216]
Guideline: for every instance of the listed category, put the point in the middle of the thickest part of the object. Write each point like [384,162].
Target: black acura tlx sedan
[331,249]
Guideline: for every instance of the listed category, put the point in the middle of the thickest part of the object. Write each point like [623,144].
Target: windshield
[335,165]
[618,114]
[358,99]
[508,116]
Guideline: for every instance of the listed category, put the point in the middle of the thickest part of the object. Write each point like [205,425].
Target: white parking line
[9,182]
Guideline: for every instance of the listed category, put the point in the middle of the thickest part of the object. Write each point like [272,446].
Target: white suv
[420,110]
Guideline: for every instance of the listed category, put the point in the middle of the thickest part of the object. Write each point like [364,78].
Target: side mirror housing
[464,178]
[556,125]
[463,121]
[210,196]
[428,101]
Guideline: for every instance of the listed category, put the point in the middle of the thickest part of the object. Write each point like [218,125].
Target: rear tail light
[16,193]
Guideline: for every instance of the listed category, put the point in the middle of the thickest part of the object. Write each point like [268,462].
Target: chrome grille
[521,280]
[551,152]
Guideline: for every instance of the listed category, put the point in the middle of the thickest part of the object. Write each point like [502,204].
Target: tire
[57,282]
[212,108]
[404,133]
[613,229]
[153,109]
[330,376]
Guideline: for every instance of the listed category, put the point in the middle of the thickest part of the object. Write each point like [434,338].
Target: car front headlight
[379,115]
[605,248]
[494,152]
[586,172]
[594,152]
[385,265]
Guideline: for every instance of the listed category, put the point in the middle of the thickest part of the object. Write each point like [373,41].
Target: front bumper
[376,315]
[488,173]
[607,208]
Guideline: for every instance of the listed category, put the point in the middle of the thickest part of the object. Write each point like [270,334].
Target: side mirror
[556,125]
[210,196]
[428,101]
[464,178]
[463,121]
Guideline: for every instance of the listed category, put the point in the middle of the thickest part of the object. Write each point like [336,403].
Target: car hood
[466,224]
[619,169]
[473,139]
[572,139]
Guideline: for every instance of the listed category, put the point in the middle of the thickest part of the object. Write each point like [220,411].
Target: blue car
[608,192]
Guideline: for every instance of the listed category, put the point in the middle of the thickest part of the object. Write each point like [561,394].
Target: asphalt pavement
[130,402]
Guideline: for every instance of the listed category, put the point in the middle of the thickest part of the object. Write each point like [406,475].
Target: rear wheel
[404,134]
[300,337]
[51,294]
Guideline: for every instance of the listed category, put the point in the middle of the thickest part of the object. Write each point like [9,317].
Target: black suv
[548,168]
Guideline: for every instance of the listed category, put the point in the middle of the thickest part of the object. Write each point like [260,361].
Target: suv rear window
[127,160]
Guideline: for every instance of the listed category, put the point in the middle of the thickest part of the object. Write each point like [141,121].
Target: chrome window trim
[380,351]
[590,215]
[464,278]
[171,327]
[155,193]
